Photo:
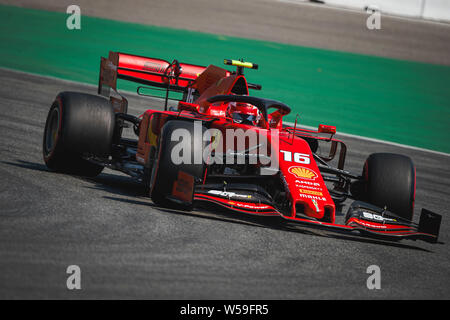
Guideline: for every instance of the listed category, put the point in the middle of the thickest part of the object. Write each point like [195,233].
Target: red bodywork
[298,170]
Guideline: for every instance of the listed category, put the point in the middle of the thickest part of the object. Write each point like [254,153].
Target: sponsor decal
[308,196]
[218,113]
[303,184]
[309,183]
[154,67]
[371,225]
[227,194]
[248,205]
[376,217]
[302,172]
[316,193]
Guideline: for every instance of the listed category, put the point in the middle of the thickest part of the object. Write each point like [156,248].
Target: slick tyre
[166,168]
[78,124]
[390,181]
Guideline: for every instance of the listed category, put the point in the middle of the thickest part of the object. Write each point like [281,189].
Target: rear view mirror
[326,129]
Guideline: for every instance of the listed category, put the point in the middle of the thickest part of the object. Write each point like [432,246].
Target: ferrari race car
[221,146]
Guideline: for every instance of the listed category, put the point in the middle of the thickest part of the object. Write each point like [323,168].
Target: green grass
[394,100]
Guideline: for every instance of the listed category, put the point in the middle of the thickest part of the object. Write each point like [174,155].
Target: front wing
[365,218]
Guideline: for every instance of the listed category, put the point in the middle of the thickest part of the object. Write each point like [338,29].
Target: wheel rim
[51,132]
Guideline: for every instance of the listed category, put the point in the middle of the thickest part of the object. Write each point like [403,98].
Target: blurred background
[425,9]
[319,58]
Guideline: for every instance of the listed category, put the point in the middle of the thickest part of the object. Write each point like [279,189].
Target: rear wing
[160,73]
[165,76]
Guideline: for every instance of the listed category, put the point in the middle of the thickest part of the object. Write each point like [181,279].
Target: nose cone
[307,189]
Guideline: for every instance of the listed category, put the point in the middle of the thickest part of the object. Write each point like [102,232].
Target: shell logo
[301,172]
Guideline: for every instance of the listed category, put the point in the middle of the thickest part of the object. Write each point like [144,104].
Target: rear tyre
[390,181]
[165,171]
[78,124]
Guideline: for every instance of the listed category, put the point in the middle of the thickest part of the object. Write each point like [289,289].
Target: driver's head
[244,113]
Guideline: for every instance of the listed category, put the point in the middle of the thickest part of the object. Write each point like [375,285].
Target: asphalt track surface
[128,248]
[301,24]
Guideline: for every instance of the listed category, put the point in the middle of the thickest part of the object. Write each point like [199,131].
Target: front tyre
[390,181]
[166,169]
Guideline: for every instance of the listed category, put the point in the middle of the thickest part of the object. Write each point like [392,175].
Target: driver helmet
[244,113]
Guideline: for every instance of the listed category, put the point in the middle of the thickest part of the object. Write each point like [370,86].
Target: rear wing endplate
[153,72]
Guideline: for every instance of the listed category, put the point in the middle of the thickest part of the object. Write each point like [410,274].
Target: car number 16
[302,158]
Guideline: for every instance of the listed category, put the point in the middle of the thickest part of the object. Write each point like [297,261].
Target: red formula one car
[222,146]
